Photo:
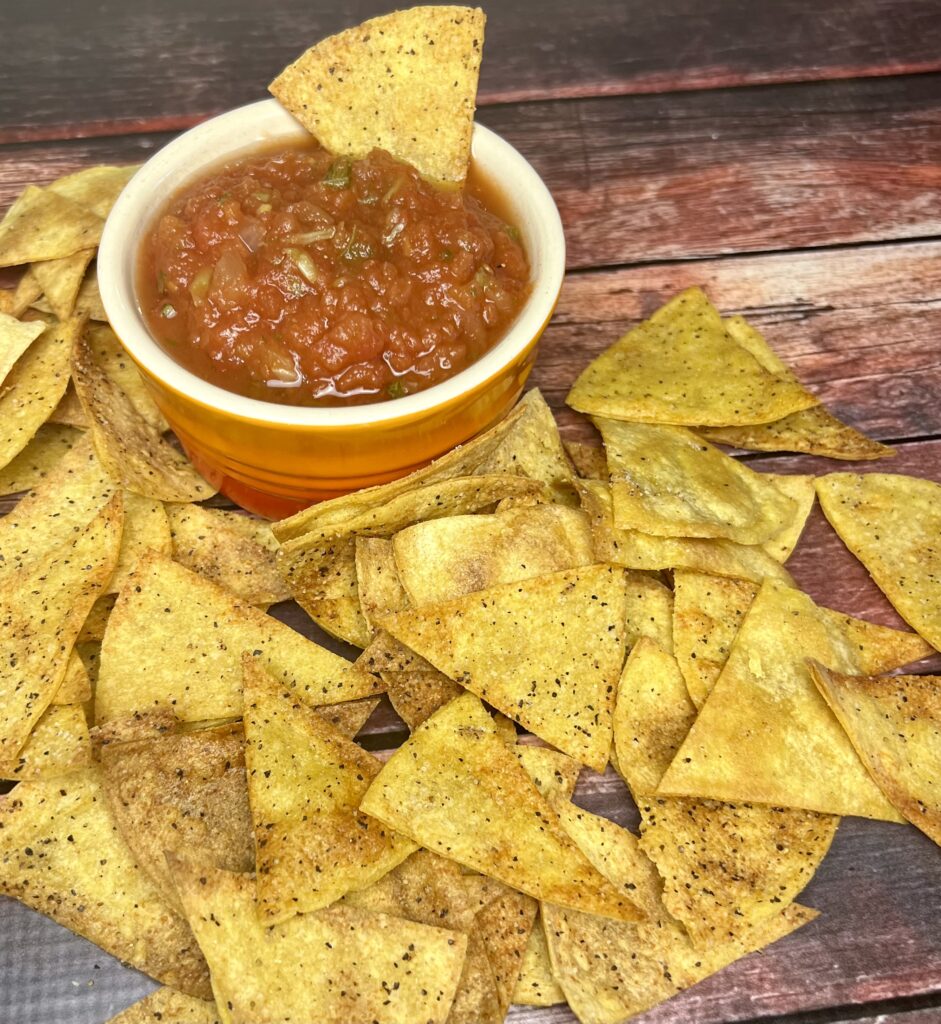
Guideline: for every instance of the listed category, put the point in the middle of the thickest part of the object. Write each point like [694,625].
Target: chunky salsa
[298,277]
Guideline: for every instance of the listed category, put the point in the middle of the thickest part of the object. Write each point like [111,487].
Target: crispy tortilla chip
[131,450]
[894,724]
[800,489]
[69,411]
[334,966]
[386,654]
[305,782]
[236,551]
[589,460]
[649,610]
[93,629]
[682,367]
[441,559]
[145,530]
[350,716]
[765,735]
[37,460]
[707,613]
[28,291]
[113,359]
[59,743]
[166,1006]
[636,550]
[33,387]
[63,856]
[536,985]
[89,301]
[554,774]
[41,225]
[15,338]
[455,787]
[404,82]
[41,613]
[61,279]
[668,482]
[175,640]
[417,694]
[75,687]
[95,188]
[521,647]
[892,523]
[377,578]
[181,791]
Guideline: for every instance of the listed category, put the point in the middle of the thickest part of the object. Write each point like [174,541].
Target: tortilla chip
[454,786]
[333,966]
[649,610]
[894,724]
[15,338]
[441,559]
[236,551]
[28,291]
[636,550]
[37,460]
[61,279]
[536,985]
[350,716]
[75,687]
[555,774]
[800,489]
[815,430]
[59,743]
[33,387]
[89,301]
[341,617]
[63,856]
[95,188]
[166,1006]
[891,523]
[112,358]
[404,82]
[41,225]
[765,735]
[41,613]
[93,629]
[521,647]
[305,782]
[386,654]
[145,530]
[416,695]
[707,613]
[683,367]
[668,482]
[589,460]
[181,791]
[175,641]
[377,578]
[130,449]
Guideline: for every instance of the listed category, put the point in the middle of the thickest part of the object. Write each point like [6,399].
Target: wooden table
[785,155]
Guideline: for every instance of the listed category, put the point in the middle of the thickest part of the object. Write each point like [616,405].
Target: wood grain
[73,70]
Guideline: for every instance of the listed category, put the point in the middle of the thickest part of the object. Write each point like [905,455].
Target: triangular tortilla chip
[588,459]
[377,578]
[93,629]
[456,788]
[892,523]
[800,489]
[350,716]
[555,774]
[33,387]
[169,1007]
[37,460]
[63,856]
[75,687]
[765,735]
[113,359]
[682,366]
[175,641]
[536,985]
[894,724]
[59,743]
[41,225]
[89,301]
[333,966]
[521,647]
[95,188]
[416,695]
[41,613]
[182,791]
[145,530]
[15,338]
[649,610]
[236,551]
[61,279]
[130,449]
[69,411]
[305,782]
[404,82]
[28,290]
[668,482]
[707,613]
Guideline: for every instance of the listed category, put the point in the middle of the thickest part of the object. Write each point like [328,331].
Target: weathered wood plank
[73,70]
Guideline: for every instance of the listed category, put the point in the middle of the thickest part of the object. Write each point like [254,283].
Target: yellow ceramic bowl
[273,458]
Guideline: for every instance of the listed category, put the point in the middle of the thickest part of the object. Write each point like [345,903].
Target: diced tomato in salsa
[302,278]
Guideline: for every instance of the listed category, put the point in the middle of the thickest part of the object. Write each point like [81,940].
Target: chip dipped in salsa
[298,277]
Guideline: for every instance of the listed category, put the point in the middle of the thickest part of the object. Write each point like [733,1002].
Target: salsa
[298,277]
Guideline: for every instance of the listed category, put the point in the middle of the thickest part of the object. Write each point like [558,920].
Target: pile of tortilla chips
[189,791]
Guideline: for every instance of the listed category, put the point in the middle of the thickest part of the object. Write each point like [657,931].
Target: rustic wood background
[786,155]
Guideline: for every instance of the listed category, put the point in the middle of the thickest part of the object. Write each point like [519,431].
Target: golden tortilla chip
[404,82]
[89,301]
[377,578]
[33,387]
[668,482]
[350,716]
[588,459]
[61,279]
[417,694]
[649,610]
[892,523]
[456,788]
[707,613]
[333,966]
[441,559]
[28,291]
[894,724]
[521,647]
[41,225]
[683,367]
[554,774]
[636,550]
[15,338]
[800,489]
[95,188]
[236,551]
[181,791]
[93,629]
[59,743]
[145,530]
[386,654]
[75,687]
[765,735]
[63,856]
[37,460]
[175,641]
[305,782]
[130,449]
[112,358]
[69,411]
[166,1006]
[536,985]
[41,613]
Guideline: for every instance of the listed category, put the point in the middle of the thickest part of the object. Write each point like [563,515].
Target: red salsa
[298,277]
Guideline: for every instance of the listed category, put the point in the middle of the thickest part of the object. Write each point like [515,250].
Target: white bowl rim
[134,211]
